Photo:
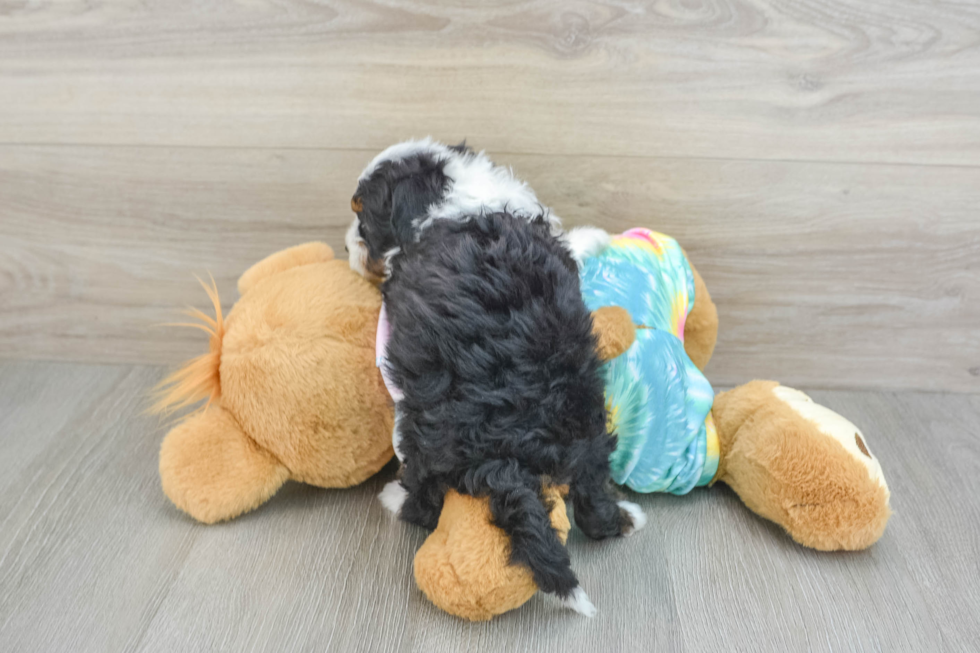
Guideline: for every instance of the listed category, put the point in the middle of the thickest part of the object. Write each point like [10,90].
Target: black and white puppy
[412,184]
[492,348]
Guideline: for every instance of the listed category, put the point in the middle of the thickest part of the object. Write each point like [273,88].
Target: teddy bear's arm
[701,326]
[614,331]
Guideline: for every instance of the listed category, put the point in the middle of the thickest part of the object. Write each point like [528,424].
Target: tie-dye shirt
[659,403]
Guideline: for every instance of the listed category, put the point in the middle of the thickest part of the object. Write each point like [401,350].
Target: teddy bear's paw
[393,497]
[636,515]
[579,601]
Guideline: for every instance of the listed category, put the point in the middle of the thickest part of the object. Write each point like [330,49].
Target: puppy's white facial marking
[579,601]
[584,242]
[636,514]
[393,497]
[357,251]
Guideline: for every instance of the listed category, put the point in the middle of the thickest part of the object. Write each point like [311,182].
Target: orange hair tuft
[199,378]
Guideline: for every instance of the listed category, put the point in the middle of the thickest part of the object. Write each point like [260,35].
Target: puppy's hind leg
[393,495]
[416,498]
[424,497]
[598,511]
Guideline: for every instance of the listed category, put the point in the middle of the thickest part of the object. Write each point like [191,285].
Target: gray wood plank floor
[94,558]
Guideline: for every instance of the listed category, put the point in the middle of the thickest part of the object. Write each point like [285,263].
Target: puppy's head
[393,197]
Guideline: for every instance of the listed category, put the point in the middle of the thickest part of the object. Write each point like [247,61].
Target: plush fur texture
[213,471]
[464,565]
[701,327]
[493,347]
[792,470]
[412,184]
[614,331]
[293,387]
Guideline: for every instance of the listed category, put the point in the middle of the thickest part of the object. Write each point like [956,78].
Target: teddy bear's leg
[801,465]
[598,512]
[701,326]
[212,471]
[464,566]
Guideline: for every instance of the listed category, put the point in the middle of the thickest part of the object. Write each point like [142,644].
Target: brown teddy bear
[294,392]
[292,389]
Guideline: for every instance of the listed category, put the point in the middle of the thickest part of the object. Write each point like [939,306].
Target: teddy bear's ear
[315,252]
[212,471]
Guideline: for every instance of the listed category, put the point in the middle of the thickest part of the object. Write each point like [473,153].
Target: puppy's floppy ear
[410,202]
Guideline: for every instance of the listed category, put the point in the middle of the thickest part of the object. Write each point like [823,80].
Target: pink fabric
[381,351]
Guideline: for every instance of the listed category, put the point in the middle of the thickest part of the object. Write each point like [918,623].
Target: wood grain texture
[886,80]
[93,557]
[825,275]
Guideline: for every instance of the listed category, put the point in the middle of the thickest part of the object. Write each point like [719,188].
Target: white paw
[393,496]
[636,514]
[579,601]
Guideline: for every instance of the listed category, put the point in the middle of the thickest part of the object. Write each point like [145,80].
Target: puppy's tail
[199,378]
[519,509]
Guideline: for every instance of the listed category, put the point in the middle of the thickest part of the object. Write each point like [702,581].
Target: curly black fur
[493,348]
